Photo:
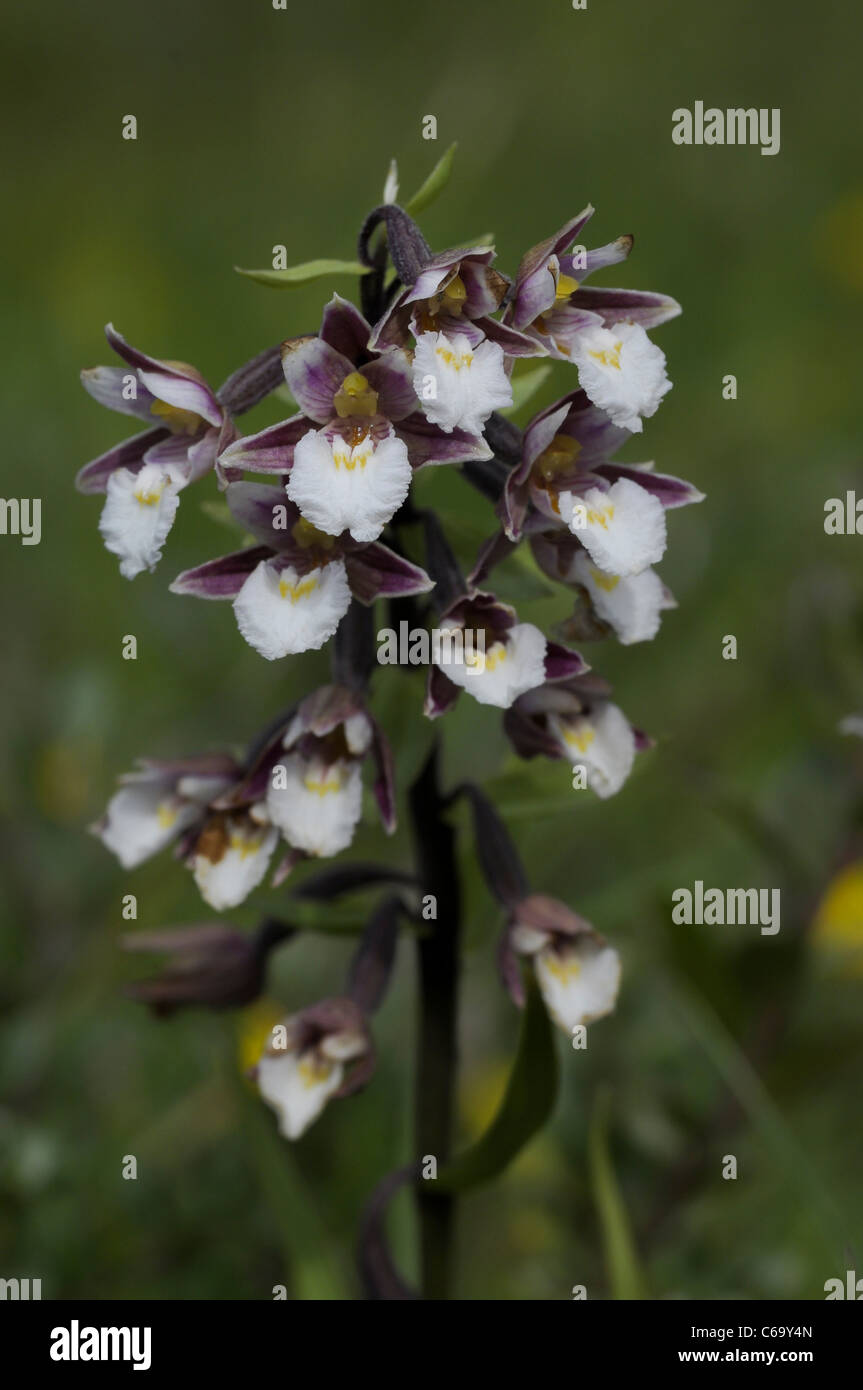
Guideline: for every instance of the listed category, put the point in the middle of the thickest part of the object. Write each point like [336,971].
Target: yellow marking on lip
[300,590]
[609,357]
[564,970]
[350,458]
[456,360]
[150,498]
[166,814]
[580,738]
[313,1070]
[608,582]
[245,845]
[597,518]
[322,786]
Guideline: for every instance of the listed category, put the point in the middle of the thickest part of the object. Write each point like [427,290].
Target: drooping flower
[306,1061]
[144,475]
[211,806]
[578,973]
[210,966]
[575,720]
[291,592]
[632,605]
[231,856]
[314,794]
[158,802]
[621,371]
[456,291]
[550,304]
[487,652]
[566,474]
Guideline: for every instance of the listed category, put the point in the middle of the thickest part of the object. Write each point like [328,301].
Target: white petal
[318,808]
[579,980]
[622,371]
[344,1046]
[459,386]
[242,866]
[142,819]
[358,733]
[623,530]
[339,487]
[297,1087]
[504,671]
[603,741]
[139,512]
[528,940]
[280,612]
[632,604]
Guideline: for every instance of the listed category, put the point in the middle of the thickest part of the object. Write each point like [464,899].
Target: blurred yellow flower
[838,924]
[838,240]
[254,1026]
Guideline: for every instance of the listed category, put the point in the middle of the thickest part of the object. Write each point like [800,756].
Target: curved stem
[437,1051]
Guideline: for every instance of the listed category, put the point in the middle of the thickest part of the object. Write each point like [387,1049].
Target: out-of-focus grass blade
[745,1083]
[434,184]
[621,1258]
[313,1268]
[301,274]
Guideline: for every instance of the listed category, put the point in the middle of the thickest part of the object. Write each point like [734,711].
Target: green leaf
[434,184]
[621,1258]
[527,1104]
[525,386]
[313,1266]
[302,274]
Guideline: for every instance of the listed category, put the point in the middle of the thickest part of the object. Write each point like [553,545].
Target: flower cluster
[416,380]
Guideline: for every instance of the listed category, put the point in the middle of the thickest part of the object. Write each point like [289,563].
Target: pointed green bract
[621,1259]
[529,1099]
[302,274]
[434,184]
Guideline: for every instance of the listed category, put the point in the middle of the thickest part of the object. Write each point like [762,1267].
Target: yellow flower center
[564,288]
[324,784]
[178,421]
[559,457]
[355,397]
[306,535]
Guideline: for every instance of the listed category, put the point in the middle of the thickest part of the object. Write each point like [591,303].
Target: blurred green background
[258,127]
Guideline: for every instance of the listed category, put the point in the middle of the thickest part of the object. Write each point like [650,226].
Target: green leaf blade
[304,274]
[434,184]
[529,1099]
